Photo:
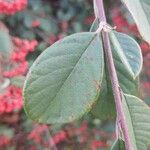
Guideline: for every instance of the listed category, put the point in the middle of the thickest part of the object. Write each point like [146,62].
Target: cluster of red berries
[36,23]
[36,133]
[10,7]
[18,57]
[146,69]
[97,144]
[89,20]
[36,136]
[4,141]
[71,132]
[11,100]
[59,137]
[120,21]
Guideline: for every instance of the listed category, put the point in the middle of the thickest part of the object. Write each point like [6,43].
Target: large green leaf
[65,80]
[140,10]
[118,145]
[138,121]
[130,53]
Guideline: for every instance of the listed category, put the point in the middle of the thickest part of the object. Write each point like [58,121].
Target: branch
[51,143]
[117,92]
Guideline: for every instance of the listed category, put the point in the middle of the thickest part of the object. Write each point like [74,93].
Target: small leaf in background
[65,80]
[66,14]
[17,81]
[138,121]
[6,45]
[28,34]
[28,20]
[118,145]
[42,46]
[140,10]
[6,131]
[48,25]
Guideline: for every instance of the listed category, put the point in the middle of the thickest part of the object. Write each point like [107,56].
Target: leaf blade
[138,120]
[67,59]
[140,12]
[118,145]
[129,52]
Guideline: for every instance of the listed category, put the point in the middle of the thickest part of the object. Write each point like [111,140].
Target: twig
[52,145]
[121,120]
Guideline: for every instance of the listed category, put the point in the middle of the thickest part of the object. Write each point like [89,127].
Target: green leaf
[5,131]
[28,18]
[138,121]
[140,10]
[147,2]
[48,25]
[6,45]
[17,81]
[126,48]
[65,80]
[118,145]
[106,100]
[129,52]
[94,25]
[128,84]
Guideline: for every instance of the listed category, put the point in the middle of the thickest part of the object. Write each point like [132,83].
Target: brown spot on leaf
[93,104]
[97,85]
[71,118]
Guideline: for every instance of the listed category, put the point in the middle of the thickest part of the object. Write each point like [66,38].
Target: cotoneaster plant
[94,71]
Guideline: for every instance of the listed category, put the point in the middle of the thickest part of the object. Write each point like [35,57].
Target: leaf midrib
[67,77]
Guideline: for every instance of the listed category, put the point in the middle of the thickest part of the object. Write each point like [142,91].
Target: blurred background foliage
[23,36]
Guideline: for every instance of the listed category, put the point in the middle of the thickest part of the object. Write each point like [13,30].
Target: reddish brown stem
[113,76]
